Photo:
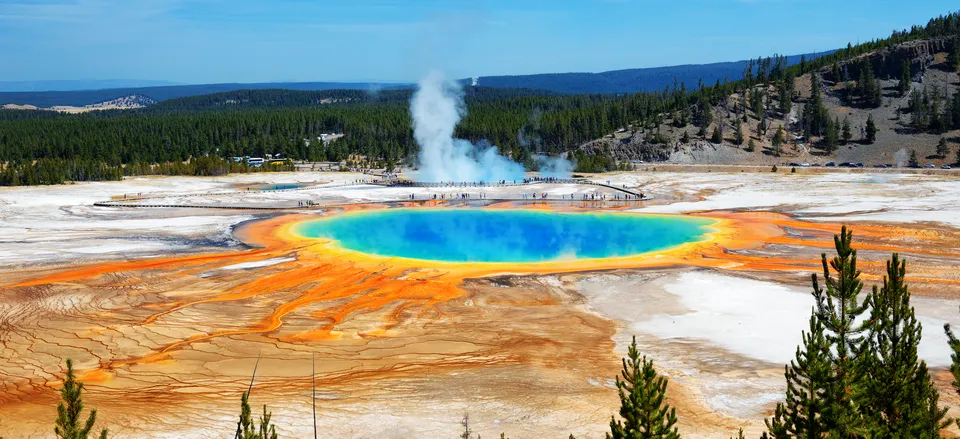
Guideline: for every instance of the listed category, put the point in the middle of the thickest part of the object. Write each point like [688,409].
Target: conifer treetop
[645,413]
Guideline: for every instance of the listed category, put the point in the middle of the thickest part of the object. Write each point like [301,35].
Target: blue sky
[205,41]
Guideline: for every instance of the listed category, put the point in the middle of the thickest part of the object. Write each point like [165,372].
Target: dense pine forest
[376,125]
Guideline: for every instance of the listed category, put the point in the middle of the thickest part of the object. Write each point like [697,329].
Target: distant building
[326,138]
[330,166]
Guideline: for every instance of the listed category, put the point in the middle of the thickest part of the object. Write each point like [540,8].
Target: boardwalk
[155,201]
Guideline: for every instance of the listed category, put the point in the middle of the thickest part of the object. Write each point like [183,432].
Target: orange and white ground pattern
[165,309]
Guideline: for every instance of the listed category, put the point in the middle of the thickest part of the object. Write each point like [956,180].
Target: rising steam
[555,167]
[901,157]
[436,108]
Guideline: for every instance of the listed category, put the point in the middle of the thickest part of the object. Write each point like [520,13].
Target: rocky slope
[895,140]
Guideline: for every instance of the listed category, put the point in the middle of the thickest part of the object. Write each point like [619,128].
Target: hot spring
[277,187]
[482,235]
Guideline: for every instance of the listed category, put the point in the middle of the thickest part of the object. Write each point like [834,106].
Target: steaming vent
[436,108]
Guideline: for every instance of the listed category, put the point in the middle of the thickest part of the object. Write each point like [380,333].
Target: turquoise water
[475,235]
[283,186]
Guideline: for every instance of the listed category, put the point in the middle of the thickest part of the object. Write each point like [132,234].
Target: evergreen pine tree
[863,85]
[868,88]
[246,419]
[738,137]
[871,130]
[756,103]
[686,137]
[707,115]
[717,136]
[785,93]
[267,431]
[248,429]
[955,111]
[903,87]
[953,59]
[899,396]
[954,344]
[467,431]
[645,413]
[801,415]
[913,163]
[832,138]
[752,146]
[939,119]
[778,141]
[942,149]
[845,134]
[839,311]
[814,112]
[68,425]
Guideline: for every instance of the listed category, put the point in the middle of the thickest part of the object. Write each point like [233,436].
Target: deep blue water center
[477,235]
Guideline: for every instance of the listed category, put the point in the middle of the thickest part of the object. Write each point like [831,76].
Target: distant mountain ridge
[78,84]
[284,98]
[628,80]
[79,98]
[612,82]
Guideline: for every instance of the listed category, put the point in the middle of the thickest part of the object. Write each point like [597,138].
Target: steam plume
[554,167]
[901,157]
[436,108]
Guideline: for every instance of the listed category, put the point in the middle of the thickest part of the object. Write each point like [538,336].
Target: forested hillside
[889,102]
[746,119]
[260,122]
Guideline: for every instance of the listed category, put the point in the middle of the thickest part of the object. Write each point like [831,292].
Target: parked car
[830,164]
[946,167]
[880,166]
[846,165]
[931,166]
[858,165]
